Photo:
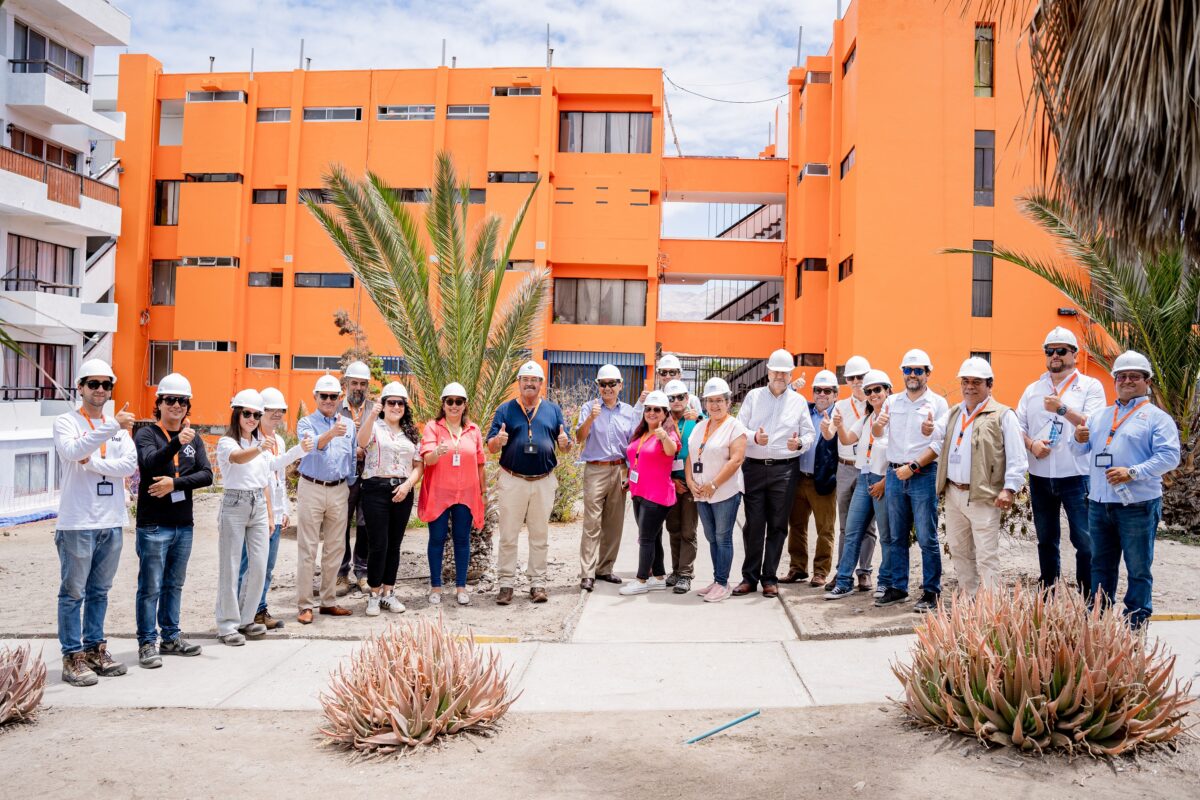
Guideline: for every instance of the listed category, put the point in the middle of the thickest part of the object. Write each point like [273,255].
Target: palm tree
[1150,303]
[449,323]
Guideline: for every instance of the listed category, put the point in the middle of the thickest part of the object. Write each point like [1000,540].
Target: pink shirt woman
[651,455]
[651,466]
[445,484]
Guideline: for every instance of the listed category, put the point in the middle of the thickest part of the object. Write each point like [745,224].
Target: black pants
[355,521]
[650,517]
[386,523]
[770,489]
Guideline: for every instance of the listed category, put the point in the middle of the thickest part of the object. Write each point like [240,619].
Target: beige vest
[988,459]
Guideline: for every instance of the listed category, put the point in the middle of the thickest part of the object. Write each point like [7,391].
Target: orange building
[893,153]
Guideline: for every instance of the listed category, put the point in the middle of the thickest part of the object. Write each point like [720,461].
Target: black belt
[906,463]
[385,480]
[323,483]
[806,474]
[769,462]
[529,478]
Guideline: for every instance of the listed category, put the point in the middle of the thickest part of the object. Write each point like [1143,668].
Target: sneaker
[718,594]
[672,579]
[75,670]
[683,585]
[373,606]
[253,630]
[104,664]
[838,592]
[464,599]
[342,587]
[435,598]
[656,584]
[635,587]
[148,657]
[265,619]
[707,589]
[233,639]
[879,590]
[389,603]
[927,603]
[178,647]
[891,597]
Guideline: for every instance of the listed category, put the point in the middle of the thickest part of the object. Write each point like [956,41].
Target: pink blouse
[652,466]
[444,484]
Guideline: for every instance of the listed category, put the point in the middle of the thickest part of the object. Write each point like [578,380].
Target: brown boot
[75,670]
[538,595]
[265,619]
[102,663]
[505,596]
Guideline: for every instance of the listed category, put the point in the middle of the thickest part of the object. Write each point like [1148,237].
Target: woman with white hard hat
[244,458]
[452,499]
[392,468]
[650,455]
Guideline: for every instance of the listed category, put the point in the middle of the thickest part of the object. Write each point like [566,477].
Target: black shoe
[683,584]
[927,603]
[587,584]
[609,578]
[891,597]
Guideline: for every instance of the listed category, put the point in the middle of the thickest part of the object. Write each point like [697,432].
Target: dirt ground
[29,570]
[846,751]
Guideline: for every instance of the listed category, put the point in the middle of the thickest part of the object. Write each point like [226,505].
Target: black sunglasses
[607,384]
[675,398]
[917,371]
[824,390]
[1058,351]
[655,409]
[666,372]
[876,390]
[327,396]
[247,414]
[393,401]
[454,401]
[93,385]
[171,400]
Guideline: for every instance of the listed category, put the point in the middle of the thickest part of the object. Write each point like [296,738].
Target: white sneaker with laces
[636,587]
[373,605]
[389,603]
[435,598]
[656,584]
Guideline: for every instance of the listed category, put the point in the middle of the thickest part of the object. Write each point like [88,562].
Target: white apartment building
[59,220]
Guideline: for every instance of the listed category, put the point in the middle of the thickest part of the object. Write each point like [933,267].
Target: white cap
[917,358]
[608,373]
[1061,335]
[668,362]
[856,365]
[715,386]
[975,367]
[357,370]
[1132,360]
[658,399]
[96,368]
[530,369]
[781,361]
[825,378]
[396,389]
[328,383]
[675,387]
[247,398]
[273,398]
[174,384]
[457,390]
[876,377]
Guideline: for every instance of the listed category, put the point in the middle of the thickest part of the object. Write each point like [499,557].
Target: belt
[806,475]
[767,462]
[925,468]
[607,463]
[965,487]
[323,483]
[386,480]
[525,477]
[849,462]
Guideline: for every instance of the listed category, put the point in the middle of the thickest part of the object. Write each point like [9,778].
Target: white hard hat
[96,368]
[1061,335]
[715,386]
[396,389]
[247,398]
[781,361]
[457,390]
[1132,360]
[675,387]
[825,378]
[328,383]
[273,398]
[530,369]
[975,367]
[856,365]
[608,373]
[876,377]
[357,370]
[658,399]
[174,384]
[669,362]
[916,358]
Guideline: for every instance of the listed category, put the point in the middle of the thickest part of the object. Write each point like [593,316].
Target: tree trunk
[1181,490]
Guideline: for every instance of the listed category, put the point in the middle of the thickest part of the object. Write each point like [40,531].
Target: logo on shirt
[189,451]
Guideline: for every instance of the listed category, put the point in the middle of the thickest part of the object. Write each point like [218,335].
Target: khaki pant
[973,535]
[824,508]
[681,529]
[321,513]
[603,518]
[526,503]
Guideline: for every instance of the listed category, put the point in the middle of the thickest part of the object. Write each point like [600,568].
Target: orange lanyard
[1058,390]
[966,423]
[870,436]
[529,417]
[361,412]
[454,440]
[1115,424]
[164,433]
[638,453]
[709,430]
[92,425]
[854,408]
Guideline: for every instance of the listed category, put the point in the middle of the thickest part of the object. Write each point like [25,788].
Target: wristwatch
[914,466]
[1133,473]
[1061,411]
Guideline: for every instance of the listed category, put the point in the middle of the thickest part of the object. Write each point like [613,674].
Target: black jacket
[826,464]
[156,458]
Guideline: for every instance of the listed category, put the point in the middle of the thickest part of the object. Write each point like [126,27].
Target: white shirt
[958,460]
[390,455]
[81,505]
[877,445]
[779,417]
[852,411]
[1084,395]
[278,478]
[905,440]
[715,456]
[254,474]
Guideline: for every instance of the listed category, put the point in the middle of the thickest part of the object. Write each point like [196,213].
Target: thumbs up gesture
[306,444]
[374,410]
[187,434]
[339,427]
[125,418]
[829,425]
[661,433]
[502,435]
[927,425]
[563,441]
[761,436]
[800,382]
[595,411]
[793,442]
[1082,434]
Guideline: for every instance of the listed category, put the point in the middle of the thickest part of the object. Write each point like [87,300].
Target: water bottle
[1123,493]
[1052,439]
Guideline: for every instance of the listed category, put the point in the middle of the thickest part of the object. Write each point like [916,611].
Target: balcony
[53,95]
[77,203]
[39,305]
[98,22]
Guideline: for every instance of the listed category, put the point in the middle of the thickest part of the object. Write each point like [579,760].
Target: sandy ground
[846,751]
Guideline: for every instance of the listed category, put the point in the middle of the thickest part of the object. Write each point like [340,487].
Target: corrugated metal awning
[594,358]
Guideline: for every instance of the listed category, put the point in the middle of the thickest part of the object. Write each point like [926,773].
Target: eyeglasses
[913,371]
[171,400]
[655,409]
[392,402]
[327,396]
[454,401]
[1129,377]
[1058,351]
[675,398]
[824,390]
[855,378]
[667,373]
[93,385]
[876,390]
[248,414]
[607,384]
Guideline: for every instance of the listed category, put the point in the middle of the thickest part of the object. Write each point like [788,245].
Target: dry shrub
[1039,670]
[22,681]
[411,684]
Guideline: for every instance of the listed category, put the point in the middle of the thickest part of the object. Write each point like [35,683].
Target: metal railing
[39,285]
[39,66]
[62,185]
[38,393]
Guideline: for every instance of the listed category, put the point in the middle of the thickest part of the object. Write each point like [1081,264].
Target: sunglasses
[171,400]
[1058,351]
[248,414]
[1129,377]
[327,396]
[917,371]
[607,384]
[455,401]
[824,390]
[676,398]
[666,373]
[93,385]
[876,390]
[855,377]
[395,402]
[655,409]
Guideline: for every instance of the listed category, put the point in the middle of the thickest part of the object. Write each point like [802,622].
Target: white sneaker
[636,587]
[464,599]
[435,598]
[656,584]
[373,605]
[389,603]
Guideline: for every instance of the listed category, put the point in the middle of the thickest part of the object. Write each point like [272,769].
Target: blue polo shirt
[544,436]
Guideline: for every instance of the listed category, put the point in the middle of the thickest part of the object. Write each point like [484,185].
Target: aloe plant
[22,681]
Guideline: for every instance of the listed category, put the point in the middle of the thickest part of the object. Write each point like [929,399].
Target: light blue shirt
[808,459]
[610,432]
[336,461]
[1148,442]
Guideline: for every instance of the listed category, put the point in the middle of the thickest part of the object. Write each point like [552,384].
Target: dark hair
[187,406]
[668,424]
[870,405]
[235,425]
[466,419]
[406,422]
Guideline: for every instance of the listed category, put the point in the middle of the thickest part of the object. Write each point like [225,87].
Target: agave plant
[412,684]
[1039,671]
[22,681]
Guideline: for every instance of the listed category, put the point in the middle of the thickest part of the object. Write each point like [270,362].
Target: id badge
[1104,460]
[178,496]
[633,476]
[677,464]
[104,489]
[530,449]
[697,468]
[955,458]
[456,460]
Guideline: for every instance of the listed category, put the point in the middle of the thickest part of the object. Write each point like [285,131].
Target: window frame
[988,88]
[415,112]
[516,91]
[239,96]
[590,294]
[325,280]
[160,350]
[322,363]
[155,264]
[276,114]
[33,456]
[982,288]
[310,114]
[166,202]
[576,127]
[984,172]
[847,163]
[274,279]
[279,194]
[468,111]
[845,268]
[274,357]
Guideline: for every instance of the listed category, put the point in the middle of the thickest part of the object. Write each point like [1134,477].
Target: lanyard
[361,412]
[854,408]
[966,422]
[870,436]
[164,433]
[709,430]
[1117,424]
[638,453]
[92,425]
[1061,388]
[529,417]
[454,440]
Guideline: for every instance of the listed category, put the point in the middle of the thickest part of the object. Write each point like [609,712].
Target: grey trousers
[847,479]
[243,519]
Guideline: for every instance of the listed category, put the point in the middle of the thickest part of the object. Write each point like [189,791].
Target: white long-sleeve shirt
[779,417]
[92,495]
[1084,395]
[958,459]
[278,483]
[905,418]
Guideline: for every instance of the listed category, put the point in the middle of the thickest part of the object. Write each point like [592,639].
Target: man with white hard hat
[96,454]
[322,499]
[683,518]
[851,410]
[355,381]
[816,489]
[525,431]
[667,369]
[1129,446]
[172,463]
[780,430]
[605,428]
[911,485]
[1048,413]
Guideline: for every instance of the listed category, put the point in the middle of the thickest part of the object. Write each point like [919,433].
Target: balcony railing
[39,66]
[39,285]
[38,393]
[62,185]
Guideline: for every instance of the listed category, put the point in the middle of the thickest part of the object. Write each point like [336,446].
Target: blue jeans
[863,510]
[88,561]
[163,554]
[272,552]
[456,521]
[913,502]
[1047,496]
[718,520]
[1127,531]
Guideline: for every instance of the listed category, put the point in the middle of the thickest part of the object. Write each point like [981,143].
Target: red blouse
[444,484]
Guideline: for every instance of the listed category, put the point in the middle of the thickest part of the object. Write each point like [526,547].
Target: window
[512,177]
[516,91]
[815,265]
[162,356]
[216,97]
[812,168]
[986,355]
[166,202]
[474,196]
[325,280]
[270,196]
[520,265]
[35,53]
[207,346]
[274,115]
[262,361]
[799,278]
[273,279]
[170,123]
[466,112]
[30,473]
[593,301]
[810,360]
[319,196]
[212,177]
[35,146]
[405,113]
[845,268]
[985,168]
[981,280]
[849,62]
[819,77]
[210,261]
[37,266]
[394,365]
[333,114]
[317,362]
[162,283]
[40,375]
[604,132]
[847,163]
[985,51]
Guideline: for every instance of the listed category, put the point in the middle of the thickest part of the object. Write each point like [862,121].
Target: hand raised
[125,419]
[306,444]
[927,425]
[761,436]
[502,435]
[1082,434]
[188,433]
